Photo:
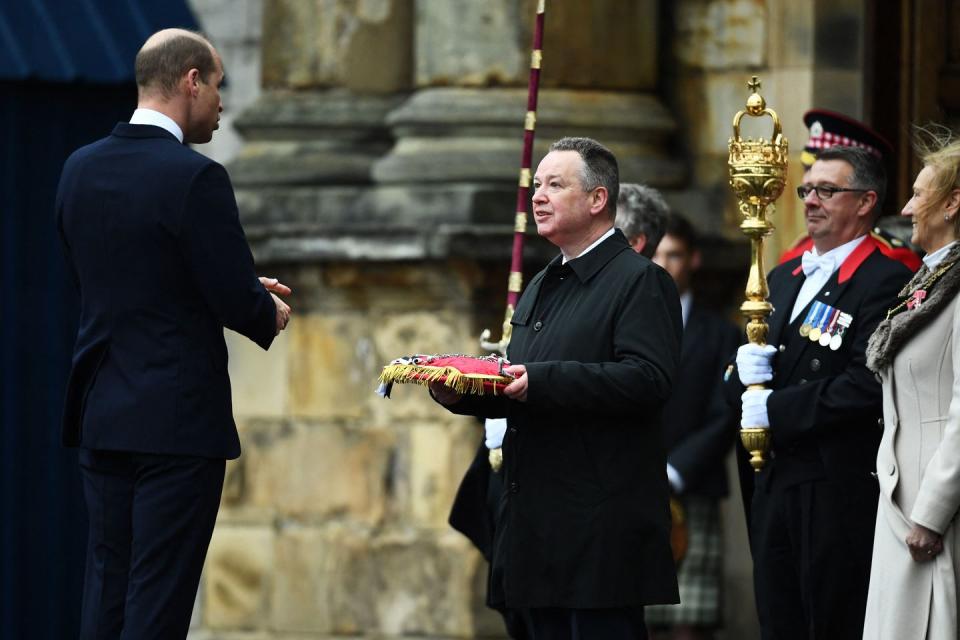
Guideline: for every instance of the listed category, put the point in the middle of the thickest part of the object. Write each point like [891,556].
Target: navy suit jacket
[699,426]
[151,232]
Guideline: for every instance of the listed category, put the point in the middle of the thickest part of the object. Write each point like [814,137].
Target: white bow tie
[811,264]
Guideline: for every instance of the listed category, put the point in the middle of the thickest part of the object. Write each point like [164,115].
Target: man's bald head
[167,56]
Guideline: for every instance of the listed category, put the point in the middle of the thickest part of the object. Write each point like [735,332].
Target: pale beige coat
[918,466]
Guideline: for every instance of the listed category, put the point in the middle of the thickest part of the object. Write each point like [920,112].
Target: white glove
[674,478]
[754,363]
[755,408]
[494,428]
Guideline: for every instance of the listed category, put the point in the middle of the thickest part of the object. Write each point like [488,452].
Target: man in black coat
[582,535]
[151,233]
[814,506]
[699,428]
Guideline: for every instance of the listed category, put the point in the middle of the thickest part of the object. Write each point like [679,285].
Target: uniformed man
[829,129]
[814,506]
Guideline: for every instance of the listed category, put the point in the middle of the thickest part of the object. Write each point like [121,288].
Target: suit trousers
[584,624]
[151,519]
[812,546]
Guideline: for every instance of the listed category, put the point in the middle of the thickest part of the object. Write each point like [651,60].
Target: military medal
[817,324]
[827,335]
[844,322]
[808,321]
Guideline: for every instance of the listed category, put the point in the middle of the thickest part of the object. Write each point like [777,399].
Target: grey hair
[641,210]
[600,167]
[868,170]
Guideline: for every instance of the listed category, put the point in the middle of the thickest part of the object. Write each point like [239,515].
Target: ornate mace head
[758,168]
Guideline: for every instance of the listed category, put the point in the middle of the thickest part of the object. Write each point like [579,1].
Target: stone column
[334,519]
[465,121]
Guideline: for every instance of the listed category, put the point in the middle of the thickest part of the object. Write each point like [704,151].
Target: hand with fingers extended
[276,289]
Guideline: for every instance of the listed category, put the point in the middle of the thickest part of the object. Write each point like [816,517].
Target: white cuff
[494,428]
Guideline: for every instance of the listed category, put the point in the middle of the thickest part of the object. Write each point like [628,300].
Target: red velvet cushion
[479,375]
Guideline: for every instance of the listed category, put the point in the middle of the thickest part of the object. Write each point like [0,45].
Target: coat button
[880,422]
[802,381]
[538,326]
[513,429]
[514,487]
[815,365]
[783,348]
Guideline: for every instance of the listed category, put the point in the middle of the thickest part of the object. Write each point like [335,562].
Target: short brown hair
[159,67]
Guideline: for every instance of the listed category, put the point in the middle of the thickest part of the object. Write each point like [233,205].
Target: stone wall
[376,176]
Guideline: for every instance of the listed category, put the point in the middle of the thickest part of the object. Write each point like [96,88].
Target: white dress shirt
[815,281]
[935,258]
[592,246]
[157,119]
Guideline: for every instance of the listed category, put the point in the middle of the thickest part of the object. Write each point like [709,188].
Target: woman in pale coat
[916,352]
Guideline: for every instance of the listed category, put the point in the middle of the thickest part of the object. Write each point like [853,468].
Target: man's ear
[867,203]
[598,200]
[192,81]
[696,260]
[639,242]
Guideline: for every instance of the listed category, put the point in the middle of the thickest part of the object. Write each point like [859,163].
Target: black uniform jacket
[699,426]
[826,405]
[583,520]
[151,232]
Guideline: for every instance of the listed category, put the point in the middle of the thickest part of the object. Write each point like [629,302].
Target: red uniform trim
[853,261]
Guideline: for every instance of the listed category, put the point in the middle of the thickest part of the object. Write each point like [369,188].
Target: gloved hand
[494,428]
[755,363]
[754,410]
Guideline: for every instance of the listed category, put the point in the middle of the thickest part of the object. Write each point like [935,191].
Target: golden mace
[758,171]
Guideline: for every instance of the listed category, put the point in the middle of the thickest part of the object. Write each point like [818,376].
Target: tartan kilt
[700,573]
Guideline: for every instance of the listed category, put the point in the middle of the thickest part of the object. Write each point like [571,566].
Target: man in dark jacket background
[582,536]
[151,233]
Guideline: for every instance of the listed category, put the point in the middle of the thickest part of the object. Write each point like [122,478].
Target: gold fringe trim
[471,383]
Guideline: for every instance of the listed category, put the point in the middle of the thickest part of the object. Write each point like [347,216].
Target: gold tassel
[424,375]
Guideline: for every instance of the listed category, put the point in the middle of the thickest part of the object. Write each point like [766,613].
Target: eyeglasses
[823,192]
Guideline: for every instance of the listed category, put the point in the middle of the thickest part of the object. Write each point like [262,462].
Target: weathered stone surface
[439,454]
[331,365]
[721,34]
[363,45]
[601,44]
[313,472]
[237,577]
[470,43]
[461,134]
[259,379]
[791,31]
[340,580]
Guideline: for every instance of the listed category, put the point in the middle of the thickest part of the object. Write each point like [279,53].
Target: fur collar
[893,332]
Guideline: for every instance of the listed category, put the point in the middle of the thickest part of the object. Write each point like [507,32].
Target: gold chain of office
[925,286]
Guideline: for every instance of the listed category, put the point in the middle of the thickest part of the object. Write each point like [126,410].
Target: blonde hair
[939,148]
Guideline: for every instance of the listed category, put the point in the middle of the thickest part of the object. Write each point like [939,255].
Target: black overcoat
[583,520]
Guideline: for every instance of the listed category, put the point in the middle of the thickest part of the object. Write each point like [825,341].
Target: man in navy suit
[151,233]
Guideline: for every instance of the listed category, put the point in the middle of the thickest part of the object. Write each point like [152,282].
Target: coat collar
[587,266]
[127,130]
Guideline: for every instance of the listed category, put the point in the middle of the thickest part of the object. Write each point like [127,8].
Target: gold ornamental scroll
[758,171]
